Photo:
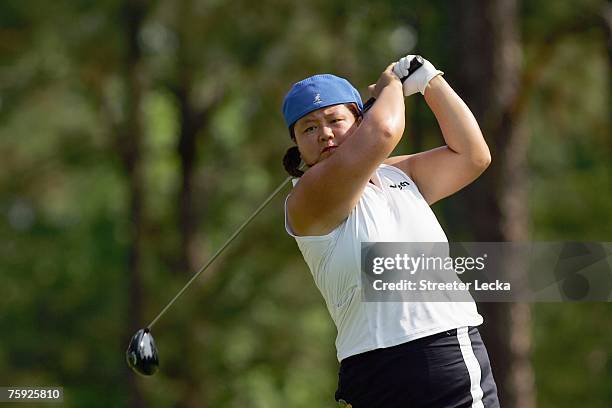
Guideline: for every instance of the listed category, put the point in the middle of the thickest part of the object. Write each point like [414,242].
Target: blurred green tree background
[136,135]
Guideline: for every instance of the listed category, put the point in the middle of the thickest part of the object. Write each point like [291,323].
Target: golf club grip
[415,64]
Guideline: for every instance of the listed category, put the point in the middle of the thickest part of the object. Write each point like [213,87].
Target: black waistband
[420,342]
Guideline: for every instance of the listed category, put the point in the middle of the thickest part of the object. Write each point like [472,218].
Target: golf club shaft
[216,254]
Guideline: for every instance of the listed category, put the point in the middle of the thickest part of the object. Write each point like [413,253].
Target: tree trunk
[130,143]
[489,60]
[190,124]
[193,119]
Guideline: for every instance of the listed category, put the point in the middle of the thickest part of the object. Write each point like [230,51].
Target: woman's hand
[419,80]
[386,78]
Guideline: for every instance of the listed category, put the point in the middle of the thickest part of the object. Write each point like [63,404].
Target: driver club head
[141,354]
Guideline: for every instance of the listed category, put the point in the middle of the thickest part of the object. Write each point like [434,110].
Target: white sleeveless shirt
[392,211]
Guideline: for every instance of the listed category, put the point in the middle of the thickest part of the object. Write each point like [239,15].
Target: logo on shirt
[401,186]
[317,99]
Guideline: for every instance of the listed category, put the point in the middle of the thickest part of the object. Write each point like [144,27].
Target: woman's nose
[326,133]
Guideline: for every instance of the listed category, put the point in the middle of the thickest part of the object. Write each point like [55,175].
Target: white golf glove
[417,82]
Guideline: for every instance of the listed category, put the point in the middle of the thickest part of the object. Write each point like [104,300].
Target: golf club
[142,355]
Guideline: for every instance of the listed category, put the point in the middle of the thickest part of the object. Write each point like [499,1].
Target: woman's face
[320,132]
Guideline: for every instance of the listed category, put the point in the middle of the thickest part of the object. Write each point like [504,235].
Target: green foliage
[254,331]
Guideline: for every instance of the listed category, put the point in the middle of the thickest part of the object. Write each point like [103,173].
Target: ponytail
[292,161]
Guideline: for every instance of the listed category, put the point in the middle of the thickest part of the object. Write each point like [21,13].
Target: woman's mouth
[328,148]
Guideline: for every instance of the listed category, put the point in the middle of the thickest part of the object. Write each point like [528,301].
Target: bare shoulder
[438,172]
[325,195]
[401,162]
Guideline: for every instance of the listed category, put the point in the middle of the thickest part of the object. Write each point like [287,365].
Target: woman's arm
[330,189]
[445,170]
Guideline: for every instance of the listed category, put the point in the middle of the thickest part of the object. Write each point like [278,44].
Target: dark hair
[292,159]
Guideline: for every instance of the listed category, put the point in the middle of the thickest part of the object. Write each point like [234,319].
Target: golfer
[392,354]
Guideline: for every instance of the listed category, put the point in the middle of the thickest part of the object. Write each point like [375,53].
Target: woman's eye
[337,120]
[309,129]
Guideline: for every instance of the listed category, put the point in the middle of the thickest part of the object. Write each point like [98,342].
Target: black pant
[448,369]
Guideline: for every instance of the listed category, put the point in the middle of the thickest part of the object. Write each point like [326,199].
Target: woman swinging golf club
[392,354]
